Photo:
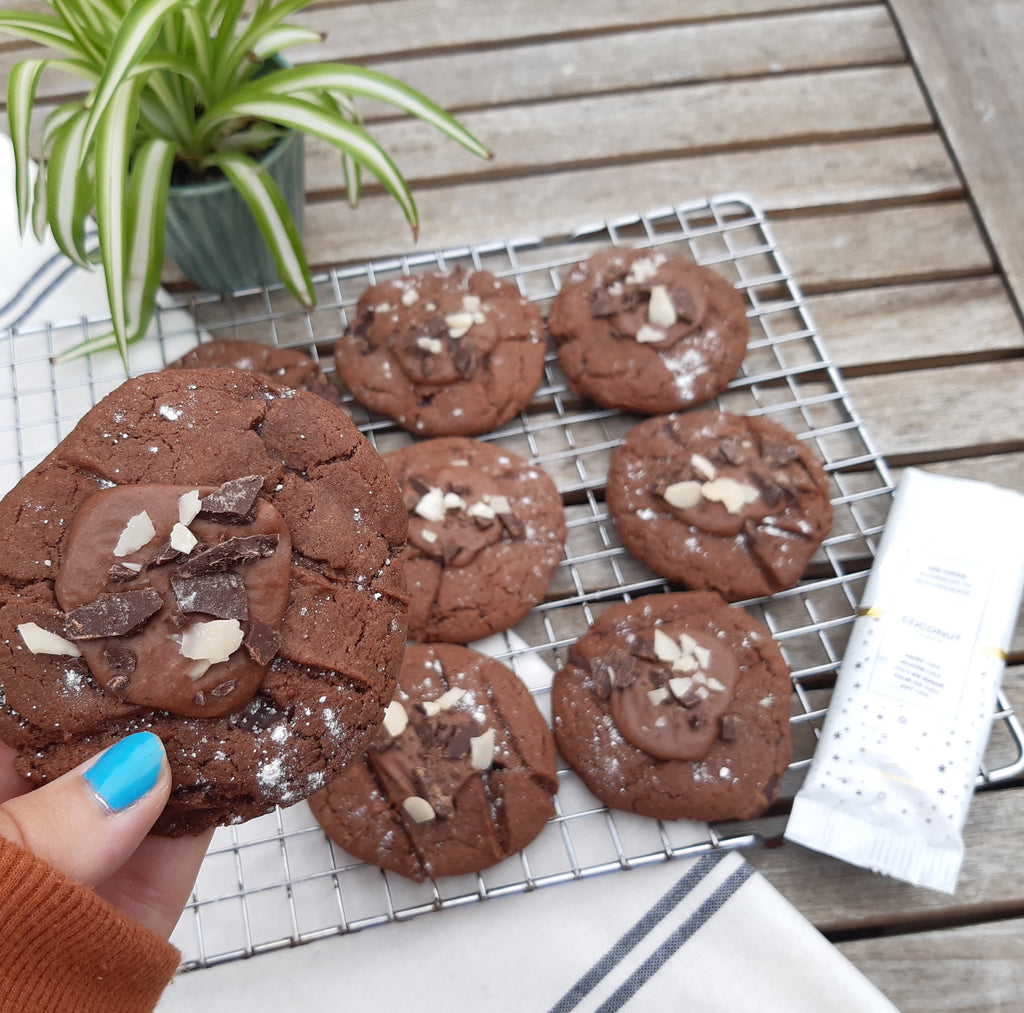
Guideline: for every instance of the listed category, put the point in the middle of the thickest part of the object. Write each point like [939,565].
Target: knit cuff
[66,949]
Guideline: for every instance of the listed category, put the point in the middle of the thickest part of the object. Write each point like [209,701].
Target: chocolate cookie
[286,366]
[647,331]
[712,500]
[676,706]
[460,776]
[444,354]
[486,532]
[216,559]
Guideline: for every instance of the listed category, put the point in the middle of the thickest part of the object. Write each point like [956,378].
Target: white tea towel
[708,934]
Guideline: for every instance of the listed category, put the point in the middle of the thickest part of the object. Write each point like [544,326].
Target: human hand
[93,824]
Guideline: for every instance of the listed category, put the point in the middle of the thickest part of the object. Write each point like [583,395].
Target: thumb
[89,821]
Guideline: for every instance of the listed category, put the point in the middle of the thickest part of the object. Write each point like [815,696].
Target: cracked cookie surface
[486,532]
[718,501]
[461,775]
[327,644]
[676,706]
[453,353]
[647,331]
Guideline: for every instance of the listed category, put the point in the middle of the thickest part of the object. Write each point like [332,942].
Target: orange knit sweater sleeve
[63,949]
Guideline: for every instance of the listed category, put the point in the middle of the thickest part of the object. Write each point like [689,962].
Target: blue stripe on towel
[44,287]
[657,960]
[645,925]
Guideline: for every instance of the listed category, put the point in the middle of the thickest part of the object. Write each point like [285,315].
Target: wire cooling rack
[277,881]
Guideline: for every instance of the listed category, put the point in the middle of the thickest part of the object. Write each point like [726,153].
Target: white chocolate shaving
[482,510]
[428,535]
[431,505]
[40,641]
[444,702]
[212,641]
[453,501]
[137,532]
[396,719]
[704,466]
[643,269]
[658,696]
[685,663]
[481,749]
[703,655]
[410,296]
[687,644]
[680,686]
[471,303]
[499,504]
[182,540]
[683,495]
[665,648]
[458,324]
[731,494]
[419,810]
[431,345]
[189,505]
[660,310]
[648,335]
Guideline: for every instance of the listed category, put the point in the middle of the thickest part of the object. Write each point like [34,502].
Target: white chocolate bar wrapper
[895,768]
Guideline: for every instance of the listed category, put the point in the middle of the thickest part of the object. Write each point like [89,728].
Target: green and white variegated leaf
[148,183]
[66,187]
[258,137]
[45,29]
[21,93]
[345,79]
[269,208]
[134,38]
[113,150]
[101,343]
[40,223]
[311,119]
[281,38]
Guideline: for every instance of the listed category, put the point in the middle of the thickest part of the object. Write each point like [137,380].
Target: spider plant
[183,87]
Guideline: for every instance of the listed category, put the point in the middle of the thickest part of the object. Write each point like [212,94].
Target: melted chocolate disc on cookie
[673,707]
[168,623]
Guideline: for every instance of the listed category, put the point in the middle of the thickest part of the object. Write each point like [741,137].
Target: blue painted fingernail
[127,771]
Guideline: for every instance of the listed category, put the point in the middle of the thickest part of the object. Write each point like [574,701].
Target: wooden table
[885,142]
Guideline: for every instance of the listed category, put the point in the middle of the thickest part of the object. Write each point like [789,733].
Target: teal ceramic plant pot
[212,235]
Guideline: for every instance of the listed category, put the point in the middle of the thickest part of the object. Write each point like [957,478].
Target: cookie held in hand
[218,560]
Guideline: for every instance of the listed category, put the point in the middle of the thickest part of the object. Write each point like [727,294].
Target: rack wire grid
[278,881]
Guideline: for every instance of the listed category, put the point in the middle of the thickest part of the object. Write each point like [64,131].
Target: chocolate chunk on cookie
[460,776]
[286,366]
[676,706]
[647,331]
[444,353]
[717,501]
[214,558]
[486,532]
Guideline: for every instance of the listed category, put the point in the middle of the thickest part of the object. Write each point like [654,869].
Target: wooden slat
[898,325]
[942,413]
[840,898]
[677,120]
[640,58]
[969,58]
[974,967]
[557,203]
